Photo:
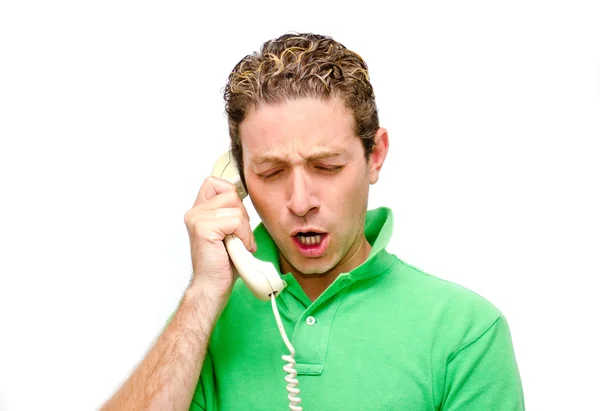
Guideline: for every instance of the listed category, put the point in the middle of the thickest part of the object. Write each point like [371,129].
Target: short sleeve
[484,374]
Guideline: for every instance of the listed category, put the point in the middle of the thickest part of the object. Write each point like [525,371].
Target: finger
[226,200]
[214,225]
[202,218]
[212,187]
[231,221]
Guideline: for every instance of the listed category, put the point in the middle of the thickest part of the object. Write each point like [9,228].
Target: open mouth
[311,244]
[309,238]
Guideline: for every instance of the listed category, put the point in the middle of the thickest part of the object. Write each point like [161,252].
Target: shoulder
[449,308]
[443,291]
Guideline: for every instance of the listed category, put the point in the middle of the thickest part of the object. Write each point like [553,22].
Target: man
[370,332]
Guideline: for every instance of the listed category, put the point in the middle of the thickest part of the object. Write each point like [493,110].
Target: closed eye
[269,176]
[329,168]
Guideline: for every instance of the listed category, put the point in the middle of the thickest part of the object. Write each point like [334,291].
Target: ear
[380,149]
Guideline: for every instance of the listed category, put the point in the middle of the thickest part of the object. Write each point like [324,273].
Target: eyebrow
[271,158]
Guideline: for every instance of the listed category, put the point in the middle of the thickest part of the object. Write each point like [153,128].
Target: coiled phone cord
[290,378]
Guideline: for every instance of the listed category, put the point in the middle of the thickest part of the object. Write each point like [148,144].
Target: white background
[111,116]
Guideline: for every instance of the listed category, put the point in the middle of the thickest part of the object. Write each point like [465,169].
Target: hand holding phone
[217,211]
[261,277]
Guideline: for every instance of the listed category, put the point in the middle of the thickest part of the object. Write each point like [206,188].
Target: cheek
[352,189]
[267,206]
[260,204]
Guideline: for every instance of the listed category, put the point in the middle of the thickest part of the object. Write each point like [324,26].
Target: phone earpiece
[226,168]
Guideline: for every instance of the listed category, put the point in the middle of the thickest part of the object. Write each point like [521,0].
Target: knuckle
[208,182]
[188,217]
[232,197]
[205,184]
[239,213]
[238,220]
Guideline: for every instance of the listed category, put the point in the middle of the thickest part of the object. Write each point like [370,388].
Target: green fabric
[387,337]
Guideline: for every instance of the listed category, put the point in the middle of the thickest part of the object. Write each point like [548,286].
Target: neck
[314,284]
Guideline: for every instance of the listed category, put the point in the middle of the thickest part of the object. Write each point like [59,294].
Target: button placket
[311,336]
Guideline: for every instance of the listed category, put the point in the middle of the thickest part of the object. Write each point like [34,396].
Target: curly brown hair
[297,66]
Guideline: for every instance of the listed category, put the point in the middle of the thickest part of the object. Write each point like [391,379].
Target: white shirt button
[311,320]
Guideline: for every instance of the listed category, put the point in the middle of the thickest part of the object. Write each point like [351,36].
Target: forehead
[297,128]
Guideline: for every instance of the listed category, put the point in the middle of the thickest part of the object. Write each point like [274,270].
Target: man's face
[308,179]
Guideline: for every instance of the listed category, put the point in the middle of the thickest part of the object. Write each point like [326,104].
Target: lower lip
[312,250]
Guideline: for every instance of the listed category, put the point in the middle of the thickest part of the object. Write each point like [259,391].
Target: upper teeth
[313,239]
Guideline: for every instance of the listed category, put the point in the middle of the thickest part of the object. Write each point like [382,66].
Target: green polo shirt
[385,336]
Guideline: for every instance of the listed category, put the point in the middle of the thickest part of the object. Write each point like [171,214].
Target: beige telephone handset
[261,277]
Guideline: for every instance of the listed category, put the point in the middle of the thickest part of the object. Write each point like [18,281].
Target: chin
[313,268]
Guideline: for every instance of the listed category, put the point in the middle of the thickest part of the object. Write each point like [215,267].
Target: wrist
[210,287]
[207,299]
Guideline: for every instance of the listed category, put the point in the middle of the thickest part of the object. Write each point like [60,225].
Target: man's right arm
[167,377]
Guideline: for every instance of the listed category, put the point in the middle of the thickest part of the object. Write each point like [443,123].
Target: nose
[302,197]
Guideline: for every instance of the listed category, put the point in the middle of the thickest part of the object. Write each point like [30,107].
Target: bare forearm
[168,375]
